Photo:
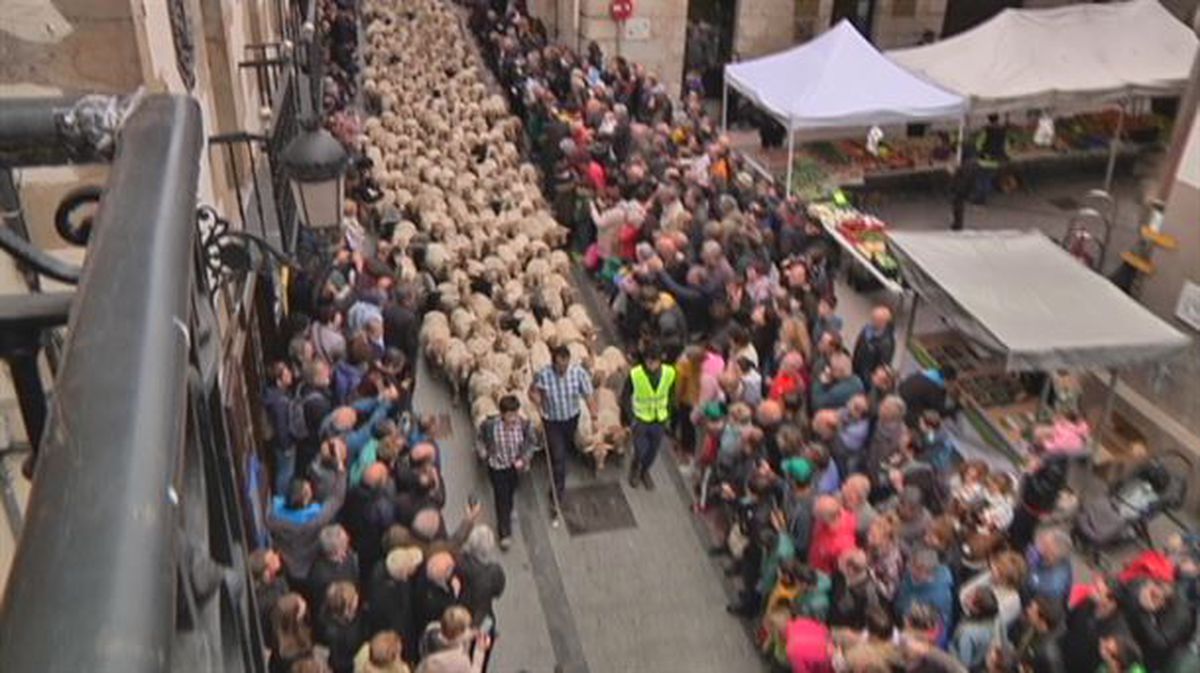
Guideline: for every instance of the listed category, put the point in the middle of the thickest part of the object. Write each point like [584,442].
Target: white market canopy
[1020,294]
[1027,58]
[839,80]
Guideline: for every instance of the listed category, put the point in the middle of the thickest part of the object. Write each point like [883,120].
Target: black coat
[390,604]
[849,603]
[483,584]
[1081,641]
[432,600]
[400,328]
[343,640]
[920,394]
[1161,634]
[325,572]
[1043,653]
[872,351]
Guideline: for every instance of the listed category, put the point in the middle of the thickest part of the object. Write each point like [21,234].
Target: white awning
[1020,294]
[1085,53]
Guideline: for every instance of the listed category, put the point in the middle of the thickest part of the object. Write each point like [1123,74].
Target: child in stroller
[1127,510]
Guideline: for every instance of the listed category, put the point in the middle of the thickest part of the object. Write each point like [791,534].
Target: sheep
[483,408]
[461,322]
[609,369]
[577,314]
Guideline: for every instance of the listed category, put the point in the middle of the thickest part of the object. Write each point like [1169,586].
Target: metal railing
[132,557]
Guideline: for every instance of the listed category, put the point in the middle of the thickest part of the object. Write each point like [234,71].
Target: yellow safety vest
[650,405]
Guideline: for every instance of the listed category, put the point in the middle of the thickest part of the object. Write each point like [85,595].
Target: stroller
[1124,514]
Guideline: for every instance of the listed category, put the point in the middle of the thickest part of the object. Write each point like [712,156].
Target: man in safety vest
[646,406]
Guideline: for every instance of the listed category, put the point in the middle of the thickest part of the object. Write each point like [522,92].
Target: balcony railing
[132,555]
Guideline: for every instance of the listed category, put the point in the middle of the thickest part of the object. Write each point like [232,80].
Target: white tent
[838,80]
[1044,57]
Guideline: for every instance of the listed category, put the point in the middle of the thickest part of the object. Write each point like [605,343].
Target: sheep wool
[445,152]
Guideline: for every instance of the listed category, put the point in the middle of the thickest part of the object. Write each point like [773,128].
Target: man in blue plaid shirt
[559,389]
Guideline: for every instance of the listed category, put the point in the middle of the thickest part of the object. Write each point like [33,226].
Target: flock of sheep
[445,152]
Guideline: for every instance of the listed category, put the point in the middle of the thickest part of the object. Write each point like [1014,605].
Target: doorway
[709,46]
[860,14]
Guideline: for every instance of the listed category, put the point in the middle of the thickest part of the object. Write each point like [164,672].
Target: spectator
[391,596]
[1160,619]
[1089,621]
[1036,636]
[1049,562]
[296,523]
[337,562]
[876,344]
[291,634]
[928,582]
[834,533]
[836,385]
[482,574]
[381,654]
[276,404]
[342,627]
[980,626]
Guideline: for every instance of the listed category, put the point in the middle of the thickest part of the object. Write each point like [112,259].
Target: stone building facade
[63,47]
[656,36]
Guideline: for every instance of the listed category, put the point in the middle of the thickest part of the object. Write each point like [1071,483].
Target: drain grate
[596,508]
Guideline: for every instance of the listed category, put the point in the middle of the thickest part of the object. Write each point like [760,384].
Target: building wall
[1181,219]
[764,27]
[660,51]
[57,47]
[900,23]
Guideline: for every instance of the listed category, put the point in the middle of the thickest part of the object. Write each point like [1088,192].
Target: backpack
[297,419]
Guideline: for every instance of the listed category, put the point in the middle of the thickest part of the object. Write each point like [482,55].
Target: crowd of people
[365,571]
[861,538]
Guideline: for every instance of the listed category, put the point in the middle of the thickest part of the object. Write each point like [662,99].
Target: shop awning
[1020,294]
[839,80]
[1083,53]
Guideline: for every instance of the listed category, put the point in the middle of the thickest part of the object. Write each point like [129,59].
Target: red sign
[622,10]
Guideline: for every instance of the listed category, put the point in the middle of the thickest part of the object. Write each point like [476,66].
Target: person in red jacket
[789,379]
[808,646]
[833,534]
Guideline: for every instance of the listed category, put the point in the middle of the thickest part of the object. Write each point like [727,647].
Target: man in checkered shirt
[558,390]
[507,443]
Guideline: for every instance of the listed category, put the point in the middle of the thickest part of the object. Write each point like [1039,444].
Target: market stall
[1075,58]
[837,81]
[864,237]
[1019,304]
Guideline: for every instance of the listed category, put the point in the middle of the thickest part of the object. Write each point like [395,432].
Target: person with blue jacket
[1049,560]
[930,582]
[295,522]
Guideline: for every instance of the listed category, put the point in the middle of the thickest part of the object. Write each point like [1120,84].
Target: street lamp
[316,166]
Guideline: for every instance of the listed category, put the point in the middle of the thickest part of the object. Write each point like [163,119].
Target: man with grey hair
[930,582]
[337,562]
[1049,560]
[483,576]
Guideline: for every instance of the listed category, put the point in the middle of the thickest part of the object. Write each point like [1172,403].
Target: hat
[798,470]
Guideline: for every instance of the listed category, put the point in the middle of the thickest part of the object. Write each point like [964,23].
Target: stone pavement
[645,599]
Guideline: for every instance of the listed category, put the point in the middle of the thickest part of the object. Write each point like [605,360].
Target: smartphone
[488,626]
[472,500]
